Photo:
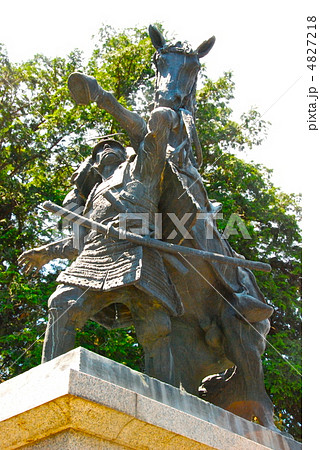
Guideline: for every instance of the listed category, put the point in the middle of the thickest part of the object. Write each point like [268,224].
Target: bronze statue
[194,316]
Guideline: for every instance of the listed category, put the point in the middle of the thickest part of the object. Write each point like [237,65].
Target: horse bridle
[187,115]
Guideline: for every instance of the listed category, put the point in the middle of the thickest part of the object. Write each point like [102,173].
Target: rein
[190,126]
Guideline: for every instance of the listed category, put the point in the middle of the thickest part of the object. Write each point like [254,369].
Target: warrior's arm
[64,248]
[61,249]
[38,257]
[85,89]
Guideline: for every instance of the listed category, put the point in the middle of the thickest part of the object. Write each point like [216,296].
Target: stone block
[83,400]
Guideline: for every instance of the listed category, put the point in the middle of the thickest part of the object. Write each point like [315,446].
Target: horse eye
[192,71]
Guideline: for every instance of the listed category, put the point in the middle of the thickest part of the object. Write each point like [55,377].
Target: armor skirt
[106,264]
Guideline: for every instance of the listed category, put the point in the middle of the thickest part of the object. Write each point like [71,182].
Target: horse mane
[178,47]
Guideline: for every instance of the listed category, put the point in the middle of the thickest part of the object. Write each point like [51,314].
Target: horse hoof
[83,89]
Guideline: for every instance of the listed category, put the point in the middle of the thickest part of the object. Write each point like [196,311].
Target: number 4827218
[311,42]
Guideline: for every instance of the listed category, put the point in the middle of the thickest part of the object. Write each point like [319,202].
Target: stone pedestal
[84,401]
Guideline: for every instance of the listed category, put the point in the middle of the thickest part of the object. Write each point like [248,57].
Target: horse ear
[156,37]
[205,47]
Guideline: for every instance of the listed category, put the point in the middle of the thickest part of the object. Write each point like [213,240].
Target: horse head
[177,70]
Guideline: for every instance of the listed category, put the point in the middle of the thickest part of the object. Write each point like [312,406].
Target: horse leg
[150,164]
[85,89]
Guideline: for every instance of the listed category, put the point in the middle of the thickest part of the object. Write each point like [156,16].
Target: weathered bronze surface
[196,308]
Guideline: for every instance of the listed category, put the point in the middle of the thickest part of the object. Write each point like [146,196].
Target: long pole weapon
[146,241]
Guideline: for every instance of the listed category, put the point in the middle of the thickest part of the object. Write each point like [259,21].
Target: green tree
[271,218]
[44,137]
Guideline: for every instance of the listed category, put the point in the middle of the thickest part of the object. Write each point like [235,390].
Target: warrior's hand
[83,88]
[33,259]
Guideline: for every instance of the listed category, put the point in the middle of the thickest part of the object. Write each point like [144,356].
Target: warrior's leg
[68,310]
[153,327]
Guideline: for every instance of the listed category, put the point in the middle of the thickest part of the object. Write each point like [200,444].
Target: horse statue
[202,321]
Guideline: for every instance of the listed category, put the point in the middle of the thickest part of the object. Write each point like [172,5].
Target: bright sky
[264,43]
